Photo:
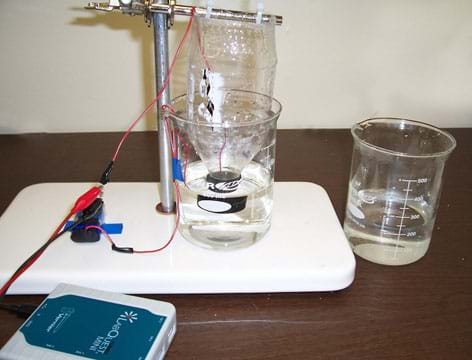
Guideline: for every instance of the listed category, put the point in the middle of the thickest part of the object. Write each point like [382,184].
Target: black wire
[25,310]
[22,310]
[40,250]
[105,178]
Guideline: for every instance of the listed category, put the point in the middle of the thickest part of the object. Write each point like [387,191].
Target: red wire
[177,219]
[25,267]
[222,147]
[176,226]
[103,231]
[202,51]
[186,151]
[170,135]
[173,146]
[172,139]
[62,224]
[161,90]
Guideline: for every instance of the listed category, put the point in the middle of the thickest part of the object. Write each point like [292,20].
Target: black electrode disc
[223,181]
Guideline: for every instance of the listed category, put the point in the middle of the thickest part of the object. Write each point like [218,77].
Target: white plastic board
[305,249]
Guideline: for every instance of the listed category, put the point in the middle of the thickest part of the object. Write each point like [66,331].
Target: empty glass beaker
[394,188]
[225,170]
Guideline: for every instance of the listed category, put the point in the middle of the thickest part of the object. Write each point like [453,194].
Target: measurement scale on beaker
[405,209]
[391,220]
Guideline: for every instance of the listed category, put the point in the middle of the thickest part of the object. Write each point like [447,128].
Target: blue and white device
[79,323]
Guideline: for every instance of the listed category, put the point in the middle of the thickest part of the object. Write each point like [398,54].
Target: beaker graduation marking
[404,208]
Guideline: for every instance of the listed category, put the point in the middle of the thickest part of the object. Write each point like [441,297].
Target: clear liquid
[386,228]
[232,230]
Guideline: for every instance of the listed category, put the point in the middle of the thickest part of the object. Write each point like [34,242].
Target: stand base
[305,249]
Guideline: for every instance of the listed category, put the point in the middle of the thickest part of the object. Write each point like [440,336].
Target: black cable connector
[92,211]
[105,178]
[88,217]
[126,250]
[23,310]
[83,235]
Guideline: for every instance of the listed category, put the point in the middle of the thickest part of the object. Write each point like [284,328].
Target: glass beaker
[225,170]
[394,188]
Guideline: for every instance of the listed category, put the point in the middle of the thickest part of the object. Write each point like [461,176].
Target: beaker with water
[225,169]
[394,189]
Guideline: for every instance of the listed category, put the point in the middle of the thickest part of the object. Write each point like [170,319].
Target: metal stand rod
[161,58]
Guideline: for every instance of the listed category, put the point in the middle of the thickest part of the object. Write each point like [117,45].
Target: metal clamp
[101,6]
[171,14]
[145,7]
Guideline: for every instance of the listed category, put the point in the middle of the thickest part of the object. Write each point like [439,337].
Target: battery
[74,322]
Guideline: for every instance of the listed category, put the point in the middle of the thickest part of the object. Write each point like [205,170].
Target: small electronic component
[94,216]
[80,323]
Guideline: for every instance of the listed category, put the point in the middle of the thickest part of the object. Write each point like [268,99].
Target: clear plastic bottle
[227,54]
[225,130]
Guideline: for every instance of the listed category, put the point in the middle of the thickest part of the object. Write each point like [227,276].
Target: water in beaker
[388,229]
[225,170]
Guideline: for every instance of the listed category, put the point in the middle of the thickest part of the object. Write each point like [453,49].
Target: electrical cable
[106,175]
[82,204]
[161,90]
[173,146]
[200,47]
[220,154]
[25,266]
[37,254]
[130,250]
[22,310]
[86,200]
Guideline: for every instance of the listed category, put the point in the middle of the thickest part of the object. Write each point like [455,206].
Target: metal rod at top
[136,7]
[215,13]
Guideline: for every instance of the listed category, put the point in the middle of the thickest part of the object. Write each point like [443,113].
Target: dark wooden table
[419,311]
